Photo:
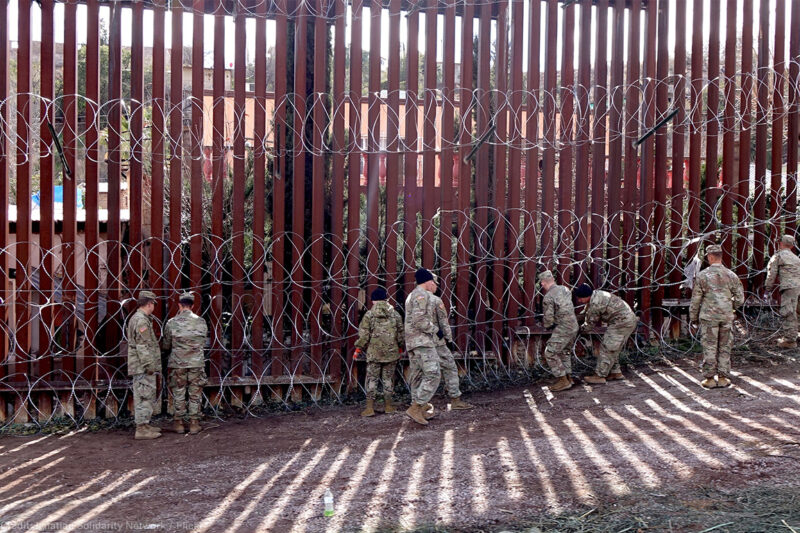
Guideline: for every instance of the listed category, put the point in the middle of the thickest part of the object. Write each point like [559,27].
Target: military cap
[186,298]
[147,295]
[378,294]
[545,275]
[787,239]
[583,291]
[714,249]
[423,275]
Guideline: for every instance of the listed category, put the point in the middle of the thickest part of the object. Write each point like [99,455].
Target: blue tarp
[58,196]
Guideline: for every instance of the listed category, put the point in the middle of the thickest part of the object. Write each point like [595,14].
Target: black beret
[379,294]
[422,275]
[583,291]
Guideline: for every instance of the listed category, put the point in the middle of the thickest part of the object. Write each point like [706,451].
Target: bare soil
[655,452]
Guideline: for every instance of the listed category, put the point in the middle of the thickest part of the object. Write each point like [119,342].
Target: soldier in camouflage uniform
[716,294]
[144,360]
[184,337]
[445,348]
[559,316]
[380,334]
[620,323]
[785,265]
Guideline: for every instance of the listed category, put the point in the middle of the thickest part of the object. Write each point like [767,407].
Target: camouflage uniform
[185,336]
[786,266]
[621,322]
[144,359]
[380,334]
[446,361]
[421,326]
[559,314]
[717,292]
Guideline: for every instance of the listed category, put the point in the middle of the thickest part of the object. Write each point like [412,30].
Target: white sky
[208,38]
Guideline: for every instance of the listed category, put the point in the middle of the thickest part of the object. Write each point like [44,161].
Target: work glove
[440,334]
[452,346]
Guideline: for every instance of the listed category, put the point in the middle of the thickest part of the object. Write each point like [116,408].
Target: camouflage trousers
[181,380]
[449,371]
[383,372]
[789,307]
[144,398]
[716,338]
[558,352]
[425,373]
[611,345]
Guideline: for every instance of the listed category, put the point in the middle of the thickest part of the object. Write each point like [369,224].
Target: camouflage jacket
[717,292]
[185,336]
[786,266]
[421,321]
[381,333]
[609,308]
[443,323]
[143,351]
[559,313]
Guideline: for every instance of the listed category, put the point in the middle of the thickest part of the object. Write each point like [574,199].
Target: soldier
[445,348]
[620,323]
[184,337]
[144,360]
[786,266]
[716,294]
[559,316]
[380,334]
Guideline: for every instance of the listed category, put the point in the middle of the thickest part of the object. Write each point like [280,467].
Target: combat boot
[388,406]
[177,426]
[563,383]
[594,380]
[428,411]
[194,426]
[369,411]
[457,404]
[723,382]
[146,432]
[786,343]
[615,376]
[416,414]
[709,383]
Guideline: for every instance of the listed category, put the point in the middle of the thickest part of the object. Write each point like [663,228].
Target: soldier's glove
[452,346]
[440,334]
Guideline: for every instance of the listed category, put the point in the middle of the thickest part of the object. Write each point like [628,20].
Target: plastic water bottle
[328,499]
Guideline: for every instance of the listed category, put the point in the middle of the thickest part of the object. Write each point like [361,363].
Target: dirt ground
[652,453]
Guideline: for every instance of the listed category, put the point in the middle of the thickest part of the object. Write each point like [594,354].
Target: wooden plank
[429,128]
[239,320]
[565,231]
[776,167]
[678,146]
[23,223]
[660,159]
[46,168]
[465,100]
[532,160]
[135,172]
[319,117]
[298,183]
[762,110]
[279,197]
[91,167]
[632,161]
[337,187]
[156,273]
[219,165]
[599,143]
[259,190]
[176,153]
[582,136]
[745,137]
[373,147]
[728,126]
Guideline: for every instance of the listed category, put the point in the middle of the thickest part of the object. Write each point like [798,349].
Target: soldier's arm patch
[142,329]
